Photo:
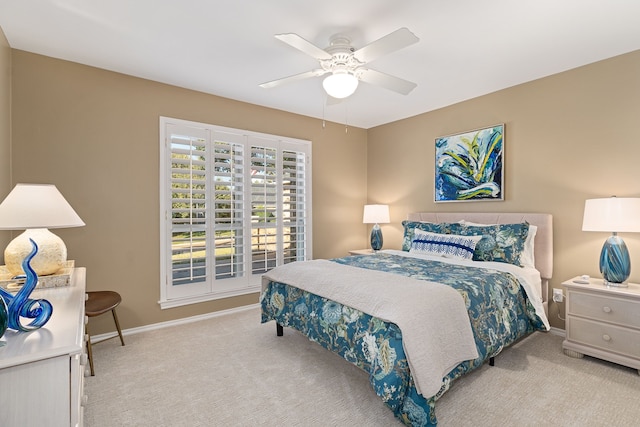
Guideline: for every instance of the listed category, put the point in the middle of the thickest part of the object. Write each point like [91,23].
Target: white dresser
[42,371]
[603,322]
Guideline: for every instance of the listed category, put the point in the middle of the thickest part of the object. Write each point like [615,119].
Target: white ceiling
[467,48]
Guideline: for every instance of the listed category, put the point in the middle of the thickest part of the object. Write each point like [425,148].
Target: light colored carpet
[234,371]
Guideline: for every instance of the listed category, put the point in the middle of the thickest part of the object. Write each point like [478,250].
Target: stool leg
[89,350]
[115,319]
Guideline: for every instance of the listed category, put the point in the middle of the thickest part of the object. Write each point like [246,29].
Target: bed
[464,287]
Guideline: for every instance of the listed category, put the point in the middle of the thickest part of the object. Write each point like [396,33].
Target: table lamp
[376,214]
[613,214]
[34,208]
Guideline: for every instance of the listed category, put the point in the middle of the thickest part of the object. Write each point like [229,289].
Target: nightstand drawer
[624,312]
[606,337]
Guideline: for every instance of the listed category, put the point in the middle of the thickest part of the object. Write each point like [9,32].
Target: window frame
[170,294]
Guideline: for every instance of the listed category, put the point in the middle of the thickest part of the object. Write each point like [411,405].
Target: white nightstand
[603,322]
[361,252]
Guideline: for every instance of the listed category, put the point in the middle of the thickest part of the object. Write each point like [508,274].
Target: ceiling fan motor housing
[342,59]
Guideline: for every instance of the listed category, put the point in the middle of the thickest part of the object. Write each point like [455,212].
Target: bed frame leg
[279,330]
[492,361]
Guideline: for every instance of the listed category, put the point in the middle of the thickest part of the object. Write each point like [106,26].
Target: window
[233,205]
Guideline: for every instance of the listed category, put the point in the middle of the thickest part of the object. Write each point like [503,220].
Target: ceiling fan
[346,65]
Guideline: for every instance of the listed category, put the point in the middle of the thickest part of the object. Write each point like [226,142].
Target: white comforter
[435,326]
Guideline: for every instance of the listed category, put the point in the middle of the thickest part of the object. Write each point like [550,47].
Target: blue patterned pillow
[446,245]
[411,226]
[500,242]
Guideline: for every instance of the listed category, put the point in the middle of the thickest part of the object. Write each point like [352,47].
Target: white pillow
[527,257]
[445,245]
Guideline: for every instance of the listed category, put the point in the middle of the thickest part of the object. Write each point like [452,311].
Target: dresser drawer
[612,309]
[611,338]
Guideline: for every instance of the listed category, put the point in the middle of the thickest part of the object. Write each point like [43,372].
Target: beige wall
[569,137]
[5,130]
[94,134]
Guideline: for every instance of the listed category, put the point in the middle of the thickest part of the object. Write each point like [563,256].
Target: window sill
[179,302]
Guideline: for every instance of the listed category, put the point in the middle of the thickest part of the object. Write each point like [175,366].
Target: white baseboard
[97,338]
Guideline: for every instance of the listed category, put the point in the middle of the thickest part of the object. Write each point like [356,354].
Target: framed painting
[469,166]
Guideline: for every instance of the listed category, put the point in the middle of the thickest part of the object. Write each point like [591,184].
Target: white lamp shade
[340,84]
[612,214]
[376,214]
[35,208]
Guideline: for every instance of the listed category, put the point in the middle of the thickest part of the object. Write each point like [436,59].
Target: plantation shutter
[228,205]
[189,217]
[264,208]
[294,206]
[238,205]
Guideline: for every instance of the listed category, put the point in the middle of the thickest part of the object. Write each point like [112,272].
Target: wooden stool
[97,303]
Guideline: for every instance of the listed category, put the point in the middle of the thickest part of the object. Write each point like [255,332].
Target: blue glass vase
[376,238]
[615,264]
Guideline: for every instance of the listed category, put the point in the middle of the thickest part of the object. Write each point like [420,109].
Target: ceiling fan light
[340,85]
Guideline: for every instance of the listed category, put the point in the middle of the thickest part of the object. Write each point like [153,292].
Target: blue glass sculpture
[376,238]
[615,264]
[19,305]
[4,319]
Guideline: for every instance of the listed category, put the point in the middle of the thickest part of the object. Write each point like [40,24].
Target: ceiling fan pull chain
[324,99]
[346,118]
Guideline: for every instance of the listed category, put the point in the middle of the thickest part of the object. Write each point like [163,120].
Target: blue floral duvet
[499,311]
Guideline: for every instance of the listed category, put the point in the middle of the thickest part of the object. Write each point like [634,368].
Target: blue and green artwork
[469,165]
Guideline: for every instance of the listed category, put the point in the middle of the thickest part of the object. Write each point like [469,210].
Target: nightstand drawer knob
[606,309]
[606,337]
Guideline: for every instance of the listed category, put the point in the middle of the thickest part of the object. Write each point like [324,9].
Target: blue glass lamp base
[615,264]
[376,238]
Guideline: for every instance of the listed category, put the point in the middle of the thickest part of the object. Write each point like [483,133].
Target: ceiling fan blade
[303,45]
[390,43]
[305,75]
[386,81]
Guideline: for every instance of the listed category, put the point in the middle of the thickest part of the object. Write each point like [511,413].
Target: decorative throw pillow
[446,245]
[411,226]
[527,258]
[500,242]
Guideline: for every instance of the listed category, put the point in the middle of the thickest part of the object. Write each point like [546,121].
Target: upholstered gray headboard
[543,243]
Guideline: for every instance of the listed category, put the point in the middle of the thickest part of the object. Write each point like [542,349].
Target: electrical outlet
[557,295]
